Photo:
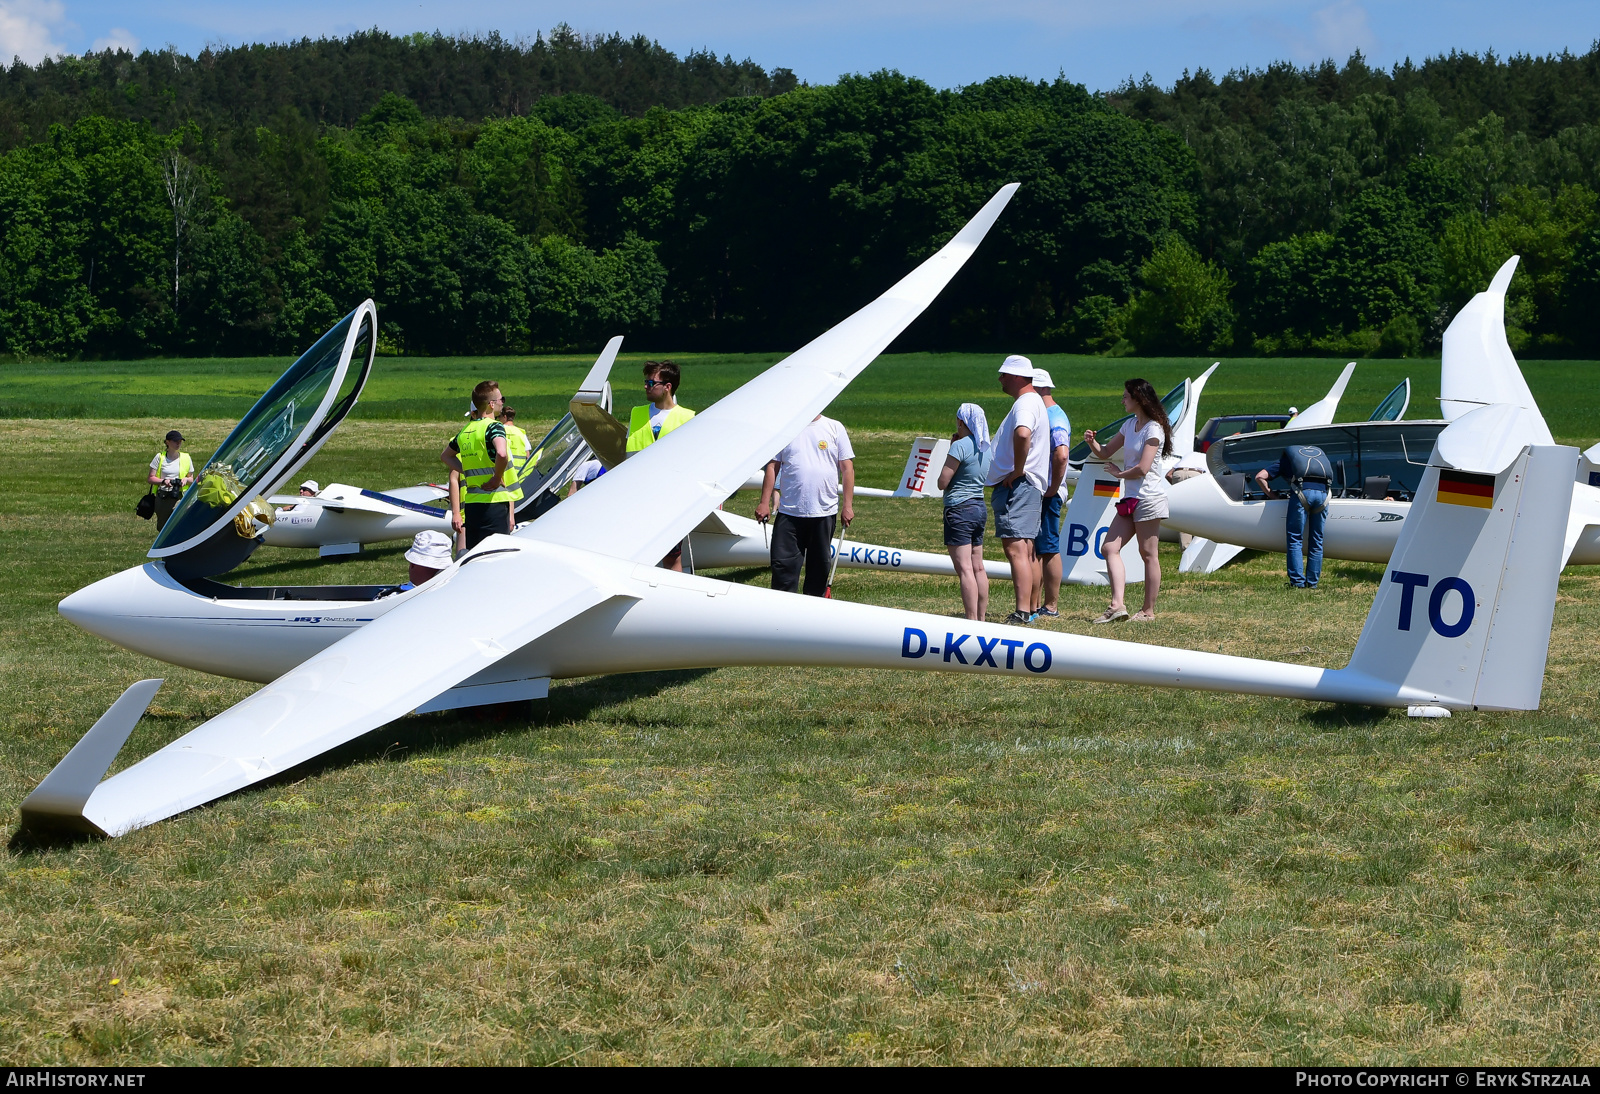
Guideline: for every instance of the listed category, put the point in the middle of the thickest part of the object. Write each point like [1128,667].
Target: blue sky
[946,42]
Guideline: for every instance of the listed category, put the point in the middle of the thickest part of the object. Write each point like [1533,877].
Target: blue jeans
[1297,526]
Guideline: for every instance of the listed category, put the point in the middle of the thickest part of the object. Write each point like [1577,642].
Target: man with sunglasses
[648,424]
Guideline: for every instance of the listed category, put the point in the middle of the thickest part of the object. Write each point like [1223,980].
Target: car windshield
[1172,401]
[271,428]
[1399,450]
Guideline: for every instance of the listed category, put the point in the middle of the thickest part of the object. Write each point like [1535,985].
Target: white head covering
[311,485]
[972,416]
[1041,378]
[430,549]
[1017,365]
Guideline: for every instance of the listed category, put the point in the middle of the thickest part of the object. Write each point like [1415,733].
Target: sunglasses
[648,384]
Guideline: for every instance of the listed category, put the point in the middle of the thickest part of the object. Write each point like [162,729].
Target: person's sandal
[1112,615]
[1017,619]
[1143,617]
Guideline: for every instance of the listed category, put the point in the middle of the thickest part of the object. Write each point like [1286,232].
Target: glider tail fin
[58,801]
[920,479]
[1462,618]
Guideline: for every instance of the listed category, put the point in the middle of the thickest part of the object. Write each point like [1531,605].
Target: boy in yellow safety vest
[171,473]
[479,461]
[648,424]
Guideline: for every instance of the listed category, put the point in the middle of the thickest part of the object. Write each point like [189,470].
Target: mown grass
[915,391]
[754,865]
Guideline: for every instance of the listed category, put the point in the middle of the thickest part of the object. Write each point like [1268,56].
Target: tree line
[501,197]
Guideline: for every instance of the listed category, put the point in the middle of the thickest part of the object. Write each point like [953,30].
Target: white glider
[1463,621]
[1477,369]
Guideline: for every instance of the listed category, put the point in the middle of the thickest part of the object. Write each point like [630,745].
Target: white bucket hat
[1017,365]
[311,485]
[1041,378]
[430,549]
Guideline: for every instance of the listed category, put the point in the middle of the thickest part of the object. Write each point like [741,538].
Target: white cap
[430,549]
[1017,365]
[1041,378]
[311,485]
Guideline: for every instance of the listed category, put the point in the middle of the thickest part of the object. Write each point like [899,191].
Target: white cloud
[1342,28]
[119,38]
[28,29]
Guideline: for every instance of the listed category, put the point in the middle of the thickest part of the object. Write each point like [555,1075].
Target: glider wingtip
[1502,277]
[59,799]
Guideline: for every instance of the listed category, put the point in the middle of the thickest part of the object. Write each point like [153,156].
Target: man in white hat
[1047,547]
[1019,473]
[429,553]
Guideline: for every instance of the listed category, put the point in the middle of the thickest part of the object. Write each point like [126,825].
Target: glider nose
[88,608]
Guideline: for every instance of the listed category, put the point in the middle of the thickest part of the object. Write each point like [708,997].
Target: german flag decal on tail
[1104,489]
[1465,488]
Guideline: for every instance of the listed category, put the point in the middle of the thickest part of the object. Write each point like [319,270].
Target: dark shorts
[1048,541]
[963,523]
[483,519]
[1017,509]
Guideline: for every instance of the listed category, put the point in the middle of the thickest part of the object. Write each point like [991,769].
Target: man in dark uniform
[1305,468]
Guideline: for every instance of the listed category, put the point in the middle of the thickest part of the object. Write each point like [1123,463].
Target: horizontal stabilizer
[421,494]
[1488,438]
[1207,556]
[60,798]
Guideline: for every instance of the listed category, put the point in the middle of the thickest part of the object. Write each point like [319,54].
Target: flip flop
[1112,615]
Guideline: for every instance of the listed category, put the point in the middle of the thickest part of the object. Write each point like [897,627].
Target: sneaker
[1018,619]
[1048,613]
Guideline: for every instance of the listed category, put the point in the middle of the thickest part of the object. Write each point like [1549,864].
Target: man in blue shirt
[1047,587]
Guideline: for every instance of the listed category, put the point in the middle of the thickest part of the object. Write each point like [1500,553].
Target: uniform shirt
[972,468]
[1029,410]
[808,471]
[1134,440]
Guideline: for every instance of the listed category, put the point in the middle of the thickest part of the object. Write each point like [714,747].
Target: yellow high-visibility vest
[520,449]
[185,468]
[477,465]
[641,436]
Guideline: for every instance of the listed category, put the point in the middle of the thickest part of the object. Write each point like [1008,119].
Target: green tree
[1184,307]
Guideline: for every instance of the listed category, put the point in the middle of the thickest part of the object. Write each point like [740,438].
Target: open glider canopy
[1397,452]
[1394,404]
[278,435]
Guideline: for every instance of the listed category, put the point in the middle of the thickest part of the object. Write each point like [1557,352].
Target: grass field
[782,865]
[912,391]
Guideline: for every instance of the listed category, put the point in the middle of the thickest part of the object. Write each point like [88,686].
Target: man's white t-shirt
[167,468]
[1134,440]
[657,415]
[808,471]
[1029,410]
[588,471]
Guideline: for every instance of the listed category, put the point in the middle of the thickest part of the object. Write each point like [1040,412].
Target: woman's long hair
[1144,397]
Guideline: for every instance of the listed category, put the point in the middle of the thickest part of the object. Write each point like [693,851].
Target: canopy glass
[552,463]
[277,434]
[1394,404]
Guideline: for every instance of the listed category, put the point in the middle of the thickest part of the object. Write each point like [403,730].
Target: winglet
[597,385]
[60,798]
[1322,411]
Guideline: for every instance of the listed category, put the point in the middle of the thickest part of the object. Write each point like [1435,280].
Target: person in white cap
[309,488]
[1047,547]
[429,553]
[1019,473]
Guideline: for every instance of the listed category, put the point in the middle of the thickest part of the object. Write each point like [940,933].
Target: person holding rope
[808,474]
[1306,469]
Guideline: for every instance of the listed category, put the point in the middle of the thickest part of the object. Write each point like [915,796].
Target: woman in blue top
[965,514]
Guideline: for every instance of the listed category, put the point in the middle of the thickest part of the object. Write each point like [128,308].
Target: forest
[497,196]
